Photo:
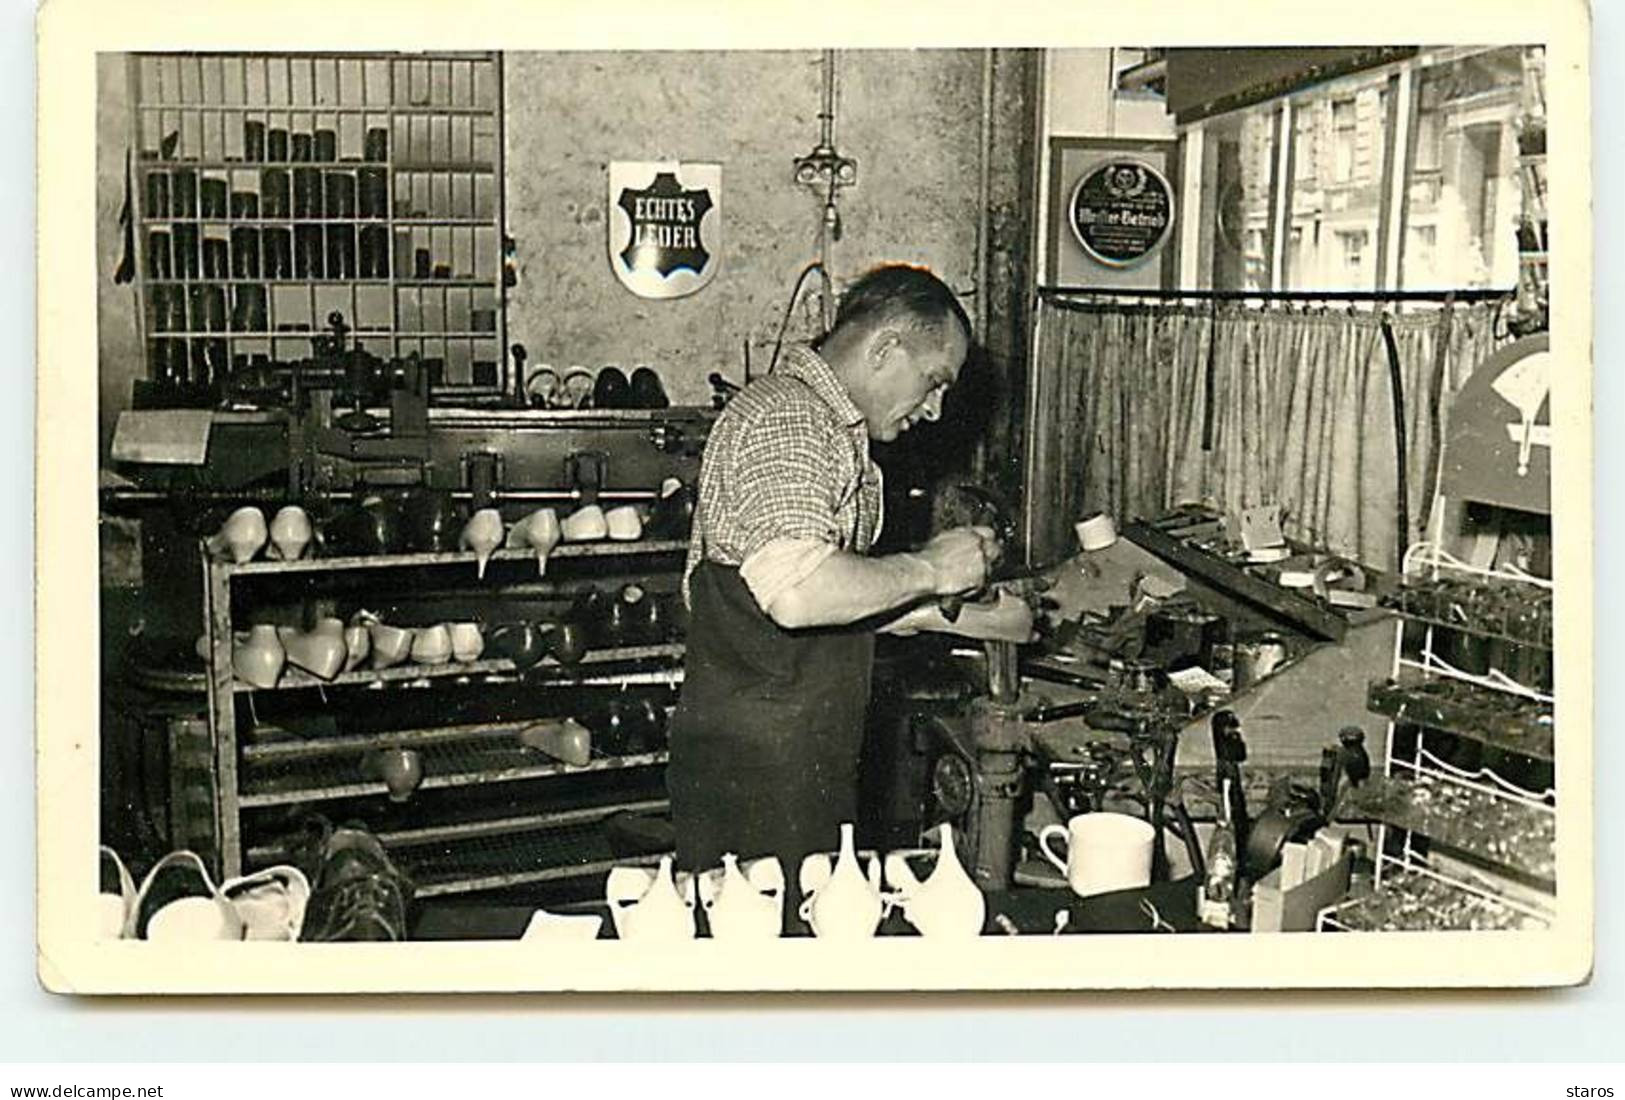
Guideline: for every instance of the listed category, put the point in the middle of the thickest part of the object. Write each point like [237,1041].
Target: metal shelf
[462,557]
[270,746]
[497,765]
[1512,835]
[1466,710]
[293,679]
[263,855]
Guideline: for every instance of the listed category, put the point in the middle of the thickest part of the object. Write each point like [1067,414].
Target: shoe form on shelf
[319,651]
[647,390]
[116,900]
[401,770]
[650,905]
[845,903]
[538,531]
[525,644]
[564,739]
[948,903]
[369,527]
[623,524]
[357,643]
[290,534]
[744,903]
[672,515]
[179,903]
[482,534]
[467,643]
[585,524]
[390,644]
[432,521]
[569,641]
[611,389]
[258,658]
[241,536]
[431,645]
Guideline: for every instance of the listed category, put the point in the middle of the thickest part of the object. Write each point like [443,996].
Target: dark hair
[900,292]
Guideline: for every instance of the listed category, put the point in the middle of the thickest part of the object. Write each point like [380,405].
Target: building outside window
[1455,202]
[1464,171]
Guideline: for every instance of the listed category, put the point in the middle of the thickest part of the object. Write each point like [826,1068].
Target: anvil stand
[1001,741]
[1000,727]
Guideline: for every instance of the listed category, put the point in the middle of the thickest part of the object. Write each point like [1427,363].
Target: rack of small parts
[367,716]
[1467,800]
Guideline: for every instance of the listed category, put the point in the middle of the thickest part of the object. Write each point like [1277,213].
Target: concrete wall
[910,118]
[118,345]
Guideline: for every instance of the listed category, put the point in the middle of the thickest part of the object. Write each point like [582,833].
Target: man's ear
[885,341]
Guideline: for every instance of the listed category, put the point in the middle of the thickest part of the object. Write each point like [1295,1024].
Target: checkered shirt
[787,459]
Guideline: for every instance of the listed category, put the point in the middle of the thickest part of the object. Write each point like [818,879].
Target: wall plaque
[1121,212]
[665,226]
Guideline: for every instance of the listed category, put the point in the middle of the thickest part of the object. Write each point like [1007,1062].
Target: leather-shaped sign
[665,226]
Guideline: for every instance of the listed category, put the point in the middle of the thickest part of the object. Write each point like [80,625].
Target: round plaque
[1121,212]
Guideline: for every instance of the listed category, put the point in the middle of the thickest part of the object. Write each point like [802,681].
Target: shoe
[360,894]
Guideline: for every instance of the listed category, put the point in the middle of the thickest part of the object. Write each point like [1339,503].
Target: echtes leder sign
[665,226]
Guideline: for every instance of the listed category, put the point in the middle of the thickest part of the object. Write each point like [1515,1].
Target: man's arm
[846,588]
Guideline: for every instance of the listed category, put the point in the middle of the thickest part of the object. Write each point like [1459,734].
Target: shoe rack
[489,813]
[271,190]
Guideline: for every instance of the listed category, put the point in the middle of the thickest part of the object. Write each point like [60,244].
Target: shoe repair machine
[985,762]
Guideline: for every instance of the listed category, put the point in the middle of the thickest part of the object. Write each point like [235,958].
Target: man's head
[899,340]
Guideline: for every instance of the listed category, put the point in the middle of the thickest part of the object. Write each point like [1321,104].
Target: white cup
[1095,533]
[1105,852]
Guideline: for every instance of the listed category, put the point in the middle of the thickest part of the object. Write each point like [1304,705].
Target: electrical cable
[789,308]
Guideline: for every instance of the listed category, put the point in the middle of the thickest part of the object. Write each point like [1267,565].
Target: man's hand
[959,559]
[1007,619]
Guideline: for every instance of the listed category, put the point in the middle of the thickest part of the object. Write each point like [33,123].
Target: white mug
[1105,852]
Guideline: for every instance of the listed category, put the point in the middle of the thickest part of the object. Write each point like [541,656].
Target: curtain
[1302,415]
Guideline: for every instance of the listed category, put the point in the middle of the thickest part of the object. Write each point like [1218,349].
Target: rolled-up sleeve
[782,564]
[785,499]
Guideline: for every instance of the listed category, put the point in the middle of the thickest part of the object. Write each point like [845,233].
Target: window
[1237,165]
[1429,141]
[1303,143]
[1464,168]
[1352,243]
[1334,221]
[1345,135]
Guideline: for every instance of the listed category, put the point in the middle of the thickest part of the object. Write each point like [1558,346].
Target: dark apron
[767,734]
